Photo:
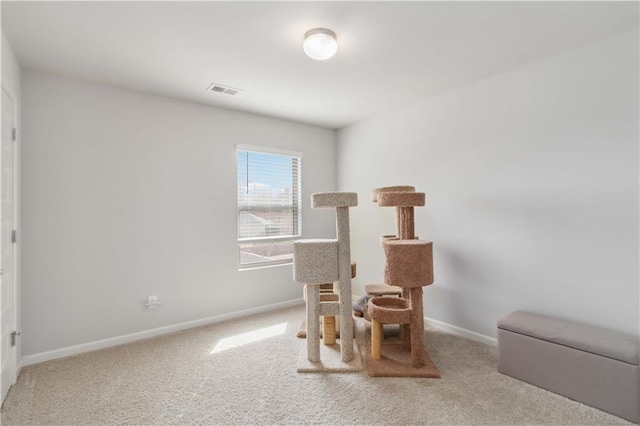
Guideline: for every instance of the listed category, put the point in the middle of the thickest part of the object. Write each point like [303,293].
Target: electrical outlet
[153,302]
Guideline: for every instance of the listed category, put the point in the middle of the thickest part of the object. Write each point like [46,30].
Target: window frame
[297,195]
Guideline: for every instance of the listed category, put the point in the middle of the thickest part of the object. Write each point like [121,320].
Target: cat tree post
[409,265]
[406,226]
[317,262]
[406,231]
[404,199]
[313,321]
[344,280]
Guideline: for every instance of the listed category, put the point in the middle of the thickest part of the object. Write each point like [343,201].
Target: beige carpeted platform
[396,362]
[244,372]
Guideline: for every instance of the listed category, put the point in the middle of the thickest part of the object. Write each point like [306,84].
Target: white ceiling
[390,53]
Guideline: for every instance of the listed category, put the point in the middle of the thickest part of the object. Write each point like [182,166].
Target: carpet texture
[202,376]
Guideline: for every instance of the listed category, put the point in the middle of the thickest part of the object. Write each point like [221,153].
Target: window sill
[253,268]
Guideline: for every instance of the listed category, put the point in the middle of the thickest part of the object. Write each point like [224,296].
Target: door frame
[13,362]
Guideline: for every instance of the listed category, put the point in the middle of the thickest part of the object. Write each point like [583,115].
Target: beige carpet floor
[244,372]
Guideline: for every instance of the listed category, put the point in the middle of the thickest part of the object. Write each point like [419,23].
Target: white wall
[10,67]
[532,190]
[10,77]
[127,195]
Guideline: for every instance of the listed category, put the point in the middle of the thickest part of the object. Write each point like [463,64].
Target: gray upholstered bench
[592,365]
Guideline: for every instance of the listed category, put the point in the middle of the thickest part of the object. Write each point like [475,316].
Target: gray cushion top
[596,340]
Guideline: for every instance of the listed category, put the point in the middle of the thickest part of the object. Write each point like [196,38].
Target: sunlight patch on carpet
[249,337]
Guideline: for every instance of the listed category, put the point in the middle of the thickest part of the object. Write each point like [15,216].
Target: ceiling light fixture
[320,44]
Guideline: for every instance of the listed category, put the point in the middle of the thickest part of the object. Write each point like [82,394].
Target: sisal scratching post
[317,262]
[329,330]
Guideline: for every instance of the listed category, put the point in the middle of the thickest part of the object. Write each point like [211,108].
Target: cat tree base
[396,362]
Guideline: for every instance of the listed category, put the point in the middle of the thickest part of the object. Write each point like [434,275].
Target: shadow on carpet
[394,361]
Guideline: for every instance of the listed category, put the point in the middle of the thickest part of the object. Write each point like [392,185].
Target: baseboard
[19,366]
[128,338]
[455,330]
[461,332]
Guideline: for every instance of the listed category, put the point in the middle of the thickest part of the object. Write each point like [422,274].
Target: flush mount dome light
[320,44]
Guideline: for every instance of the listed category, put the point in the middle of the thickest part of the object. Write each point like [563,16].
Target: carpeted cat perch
[409,266]
[315,263]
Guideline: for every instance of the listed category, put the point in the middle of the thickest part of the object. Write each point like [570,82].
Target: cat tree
[409,266]
[315,263]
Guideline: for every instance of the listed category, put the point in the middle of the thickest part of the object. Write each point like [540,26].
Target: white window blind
[268,206]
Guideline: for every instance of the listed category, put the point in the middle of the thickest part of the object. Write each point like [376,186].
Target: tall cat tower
[316,262]
[409,265]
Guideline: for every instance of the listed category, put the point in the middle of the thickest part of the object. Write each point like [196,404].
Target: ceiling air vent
[219,88]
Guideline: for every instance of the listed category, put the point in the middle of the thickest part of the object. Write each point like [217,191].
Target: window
[269,206]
